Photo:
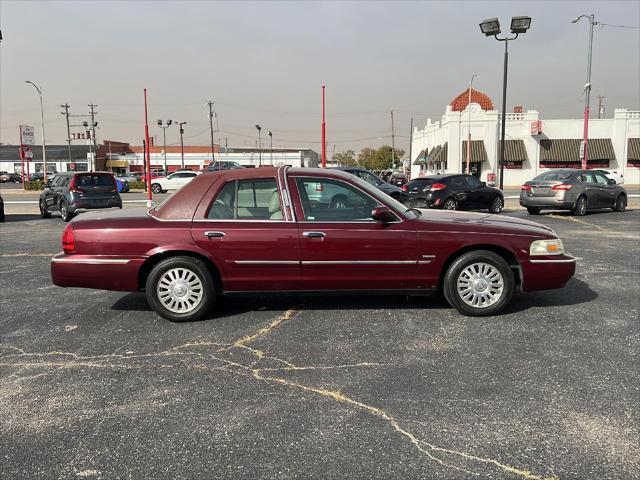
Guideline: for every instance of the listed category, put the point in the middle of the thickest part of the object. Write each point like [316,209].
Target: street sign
[536,127]
[28,153]
[581,149]
[27,135]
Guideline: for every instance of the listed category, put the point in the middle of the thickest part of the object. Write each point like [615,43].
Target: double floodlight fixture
[258,127]
[169,122]
[491,26]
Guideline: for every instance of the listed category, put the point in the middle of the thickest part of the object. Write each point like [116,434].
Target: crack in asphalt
[265,374]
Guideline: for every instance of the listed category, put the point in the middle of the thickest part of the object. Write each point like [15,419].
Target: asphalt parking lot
[94,385]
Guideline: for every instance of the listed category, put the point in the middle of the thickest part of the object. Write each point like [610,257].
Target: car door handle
[314,234]
[214,234]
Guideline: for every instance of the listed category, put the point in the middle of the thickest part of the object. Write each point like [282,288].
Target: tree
[346,158]
[366,158]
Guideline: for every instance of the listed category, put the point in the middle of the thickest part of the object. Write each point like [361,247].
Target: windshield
[410,213]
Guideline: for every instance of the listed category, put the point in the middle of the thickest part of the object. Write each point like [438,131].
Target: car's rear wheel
[533,210]
[621,204]
[450,204]
[181,289]
[497,205]
[479,283]
[581,207]
[156,188]
[44,213]
[64,211]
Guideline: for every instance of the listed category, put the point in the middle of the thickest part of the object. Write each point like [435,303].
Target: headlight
[546,247]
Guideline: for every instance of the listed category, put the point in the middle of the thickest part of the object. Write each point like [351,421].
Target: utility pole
[411,143]
[93,135]
[66,114]
[393,143]
[213,155]
[600,106]
[271,147]
[180,124]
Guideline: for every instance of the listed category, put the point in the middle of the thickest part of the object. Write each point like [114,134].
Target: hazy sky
[264,62]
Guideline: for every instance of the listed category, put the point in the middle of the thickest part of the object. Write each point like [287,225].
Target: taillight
[526,188]
[562,186]
[319,187]
[115,185]
[68,240]
[405,187]
[72,185]
[438,186]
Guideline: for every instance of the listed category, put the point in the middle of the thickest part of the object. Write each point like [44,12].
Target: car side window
[328,200]
[601,179]
[459,181]
[587,177]
[247,200]
[473,182]
[367,177]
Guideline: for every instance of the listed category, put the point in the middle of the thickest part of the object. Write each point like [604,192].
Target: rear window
[95,179]
[546,176]
[420,182]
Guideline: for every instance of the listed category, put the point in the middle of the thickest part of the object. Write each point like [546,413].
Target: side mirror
[611,181]
[383,214]
[47,184]
[484,184]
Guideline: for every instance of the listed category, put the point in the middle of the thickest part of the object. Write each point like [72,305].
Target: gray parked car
[72,192]
[575,190]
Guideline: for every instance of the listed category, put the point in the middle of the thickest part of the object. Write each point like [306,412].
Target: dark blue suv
[394,192]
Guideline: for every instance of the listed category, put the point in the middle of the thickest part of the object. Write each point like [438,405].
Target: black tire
[64,211]
[193,265]
[533,210]
[450,204]
[452,292]
[496,205]
[581,206]
[621,204]
[339,201]
[156,188]
[44,213]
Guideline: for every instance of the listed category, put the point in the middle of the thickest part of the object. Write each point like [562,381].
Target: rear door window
[247,200]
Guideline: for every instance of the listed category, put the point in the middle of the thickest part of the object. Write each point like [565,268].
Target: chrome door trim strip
[236,220]
[266,262]
[428,256]
[92,261]
[571,260]
[358,262]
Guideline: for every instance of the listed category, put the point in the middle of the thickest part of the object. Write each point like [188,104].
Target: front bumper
[104,272]
[547,272]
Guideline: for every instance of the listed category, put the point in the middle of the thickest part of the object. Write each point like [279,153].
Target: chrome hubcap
[180,290]
[449,205]
[480,285]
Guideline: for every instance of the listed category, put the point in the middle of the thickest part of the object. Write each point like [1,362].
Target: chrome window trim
[214,220]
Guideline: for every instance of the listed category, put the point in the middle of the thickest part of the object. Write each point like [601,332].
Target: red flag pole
[148,159]
[324,135]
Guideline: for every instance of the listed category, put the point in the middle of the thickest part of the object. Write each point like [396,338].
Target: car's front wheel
[497,205]
[156,188]
[181,289]
[479,283]
[621,204]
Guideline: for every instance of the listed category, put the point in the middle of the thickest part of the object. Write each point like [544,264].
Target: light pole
[259,128]
[491,28]
[587,89]
[469,127]
[164,139]
[44,151]
[181,145]
[271,147]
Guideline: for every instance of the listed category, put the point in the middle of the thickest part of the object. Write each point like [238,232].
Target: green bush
[139,185]
[34,185]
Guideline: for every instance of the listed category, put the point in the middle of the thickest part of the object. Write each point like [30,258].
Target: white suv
[175,181]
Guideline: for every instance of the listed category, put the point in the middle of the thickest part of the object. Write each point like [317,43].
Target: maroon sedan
[266,230]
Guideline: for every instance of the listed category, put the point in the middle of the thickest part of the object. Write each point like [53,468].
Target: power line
[618,26]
